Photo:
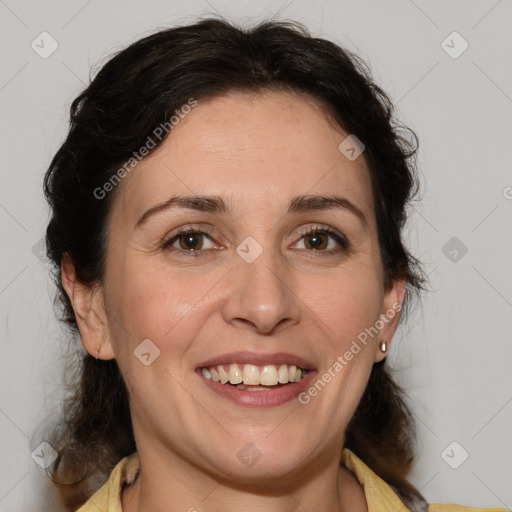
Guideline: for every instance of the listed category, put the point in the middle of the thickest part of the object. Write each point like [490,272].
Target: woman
[226,231]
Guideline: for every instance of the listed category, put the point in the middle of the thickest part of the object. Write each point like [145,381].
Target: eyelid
[337,236]
[191,227]
[169,239]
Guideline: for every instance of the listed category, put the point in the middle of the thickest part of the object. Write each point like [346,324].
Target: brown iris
[191,241]
[317,241]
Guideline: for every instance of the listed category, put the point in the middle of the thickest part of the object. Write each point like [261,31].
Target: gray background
[454,358]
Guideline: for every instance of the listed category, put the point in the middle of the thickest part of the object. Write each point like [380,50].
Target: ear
[389,315]
[89,307]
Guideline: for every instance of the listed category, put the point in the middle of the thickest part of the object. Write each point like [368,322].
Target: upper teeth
[249,374]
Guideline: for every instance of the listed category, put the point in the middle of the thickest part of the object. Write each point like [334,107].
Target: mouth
[252,377]
[256,380]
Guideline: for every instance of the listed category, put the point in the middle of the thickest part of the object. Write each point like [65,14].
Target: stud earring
[383,346]
[97,351]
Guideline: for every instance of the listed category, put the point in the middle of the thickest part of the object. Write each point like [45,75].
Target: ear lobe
[389,316]
[89,308]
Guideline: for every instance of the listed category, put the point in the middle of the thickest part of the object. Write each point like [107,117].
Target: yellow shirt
[379,496]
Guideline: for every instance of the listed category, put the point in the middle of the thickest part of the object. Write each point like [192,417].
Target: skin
[258,151]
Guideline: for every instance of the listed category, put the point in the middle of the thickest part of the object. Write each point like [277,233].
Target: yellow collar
[379,496]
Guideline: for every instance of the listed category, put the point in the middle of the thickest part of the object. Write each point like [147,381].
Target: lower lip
[270,398]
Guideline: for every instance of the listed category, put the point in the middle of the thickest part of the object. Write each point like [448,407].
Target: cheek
[344,304]
[350,309]
[157,303]
[151,304]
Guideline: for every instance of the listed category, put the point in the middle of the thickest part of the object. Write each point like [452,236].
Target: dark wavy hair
[139,89]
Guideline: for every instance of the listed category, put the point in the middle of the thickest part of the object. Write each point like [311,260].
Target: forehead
[253,148]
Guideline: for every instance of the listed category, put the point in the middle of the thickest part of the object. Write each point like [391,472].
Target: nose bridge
[261,288]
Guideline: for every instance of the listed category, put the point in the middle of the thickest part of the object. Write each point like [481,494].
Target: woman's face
[256,288]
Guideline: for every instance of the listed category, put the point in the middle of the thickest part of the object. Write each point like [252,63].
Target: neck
[173,484]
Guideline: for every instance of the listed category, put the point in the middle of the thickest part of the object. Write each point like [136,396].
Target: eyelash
[340,239]
[337,237]
[166,245]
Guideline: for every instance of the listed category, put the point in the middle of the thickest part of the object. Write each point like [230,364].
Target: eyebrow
[218,205]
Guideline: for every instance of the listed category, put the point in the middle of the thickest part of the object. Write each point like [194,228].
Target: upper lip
[257,358]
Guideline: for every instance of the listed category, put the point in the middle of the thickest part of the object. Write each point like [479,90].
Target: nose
[261,295]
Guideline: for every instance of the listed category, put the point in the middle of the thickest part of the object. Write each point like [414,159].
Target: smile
[254,377]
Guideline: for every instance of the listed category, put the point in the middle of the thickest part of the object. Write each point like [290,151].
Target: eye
[194,241]
[323,240]
[188,240]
